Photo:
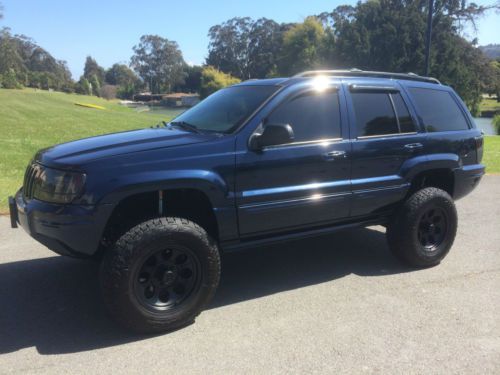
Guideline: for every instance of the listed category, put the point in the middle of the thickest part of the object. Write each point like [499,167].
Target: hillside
[31,120]
[491,50]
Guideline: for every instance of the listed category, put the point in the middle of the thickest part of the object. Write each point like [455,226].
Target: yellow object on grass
[90,105]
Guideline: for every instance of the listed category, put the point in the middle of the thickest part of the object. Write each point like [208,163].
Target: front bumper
[72,230]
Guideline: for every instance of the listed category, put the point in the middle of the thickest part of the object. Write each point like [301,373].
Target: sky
[108,29]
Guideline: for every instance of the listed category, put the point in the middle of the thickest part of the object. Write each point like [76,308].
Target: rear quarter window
[438,110]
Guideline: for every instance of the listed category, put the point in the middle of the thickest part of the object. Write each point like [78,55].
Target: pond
[485,124]
[159,110]
[169,112]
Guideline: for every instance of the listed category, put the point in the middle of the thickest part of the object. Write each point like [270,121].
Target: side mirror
[273,134]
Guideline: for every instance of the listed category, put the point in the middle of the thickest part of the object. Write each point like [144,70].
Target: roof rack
[366,73]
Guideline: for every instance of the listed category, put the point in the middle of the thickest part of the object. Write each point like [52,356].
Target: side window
[438,110]
[374,114]
[312,116]
[406,124]
[381,113]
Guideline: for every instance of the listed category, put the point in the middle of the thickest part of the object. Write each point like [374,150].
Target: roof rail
[366,73]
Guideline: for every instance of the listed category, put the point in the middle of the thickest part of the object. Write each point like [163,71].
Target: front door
[306,182]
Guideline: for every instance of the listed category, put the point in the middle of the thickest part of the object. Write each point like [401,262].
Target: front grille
[32,173]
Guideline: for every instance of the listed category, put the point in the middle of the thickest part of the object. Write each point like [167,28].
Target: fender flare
[414,166]
[210,183]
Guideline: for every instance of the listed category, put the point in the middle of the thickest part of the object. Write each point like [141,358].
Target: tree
[126,92]
[32,65]
[245,48]
[121,75]
[192,82]
[124,79]
[95,85]
[389,35]
[83,87]
[10,58]
[9,80]
[494,80]
[303,47]
[92,69]
[213,80]
[159,62]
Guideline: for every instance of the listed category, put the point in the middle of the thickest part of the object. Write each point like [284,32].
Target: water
[158,110]
[169,112]
[485,124]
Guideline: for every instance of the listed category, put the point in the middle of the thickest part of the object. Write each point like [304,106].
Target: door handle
[413,146]
[335,155]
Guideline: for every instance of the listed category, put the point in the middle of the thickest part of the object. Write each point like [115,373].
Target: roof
[351,73]
[263,82]
[366,73]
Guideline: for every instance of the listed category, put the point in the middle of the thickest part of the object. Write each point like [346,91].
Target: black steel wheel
[167,278]
[160,274]
[422,231]
[432,228]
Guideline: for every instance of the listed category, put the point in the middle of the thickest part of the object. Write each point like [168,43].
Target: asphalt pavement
[336,304]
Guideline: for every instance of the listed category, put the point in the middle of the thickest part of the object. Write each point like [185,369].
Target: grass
[31,120]
[491,156]
[489,104]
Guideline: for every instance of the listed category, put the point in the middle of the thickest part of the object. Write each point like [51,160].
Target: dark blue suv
[259,162]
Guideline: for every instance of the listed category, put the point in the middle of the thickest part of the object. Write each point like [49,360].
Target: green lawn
[31,120]
[492,154]
[489,104]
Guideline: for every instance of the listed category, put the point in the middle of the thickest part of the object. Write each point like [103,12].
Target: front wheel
[160,275]
[422,231]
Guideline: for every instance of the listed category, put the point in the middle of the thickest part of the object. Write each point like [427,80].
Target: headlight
[57,186]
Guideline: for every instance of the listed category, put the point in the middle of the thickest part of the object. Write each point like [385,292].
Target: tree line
[385,35]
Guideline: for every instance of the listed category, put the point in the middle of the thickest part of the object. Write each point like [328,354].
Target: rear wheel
[160,275]
[422,231]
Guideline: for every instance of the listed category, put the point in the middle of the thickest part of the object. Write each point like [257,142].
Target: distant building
[147,97]
[177,99]
[180,99]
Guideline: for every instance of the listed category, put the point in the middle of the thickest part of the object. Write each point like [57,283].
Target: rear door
[385,135]
[290,186]
[446,121]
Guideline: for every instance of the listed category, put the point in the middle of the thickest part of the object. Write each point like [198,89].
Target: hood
[84,150]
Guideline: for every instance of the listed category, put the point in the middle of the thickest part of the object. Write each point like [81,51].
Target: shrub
[496,123]
[213,80]
[95,85]
[108,92]
[83,87]
[9,80]
[126,91]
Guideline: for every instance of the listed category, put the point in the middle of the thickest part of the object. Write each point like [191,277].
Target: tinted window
[226,109]
[438,110]
[374,114]
[312,116]
[405,122]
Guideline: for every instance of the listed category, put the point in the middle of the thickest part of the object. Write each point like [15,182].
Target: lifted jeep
[261,161]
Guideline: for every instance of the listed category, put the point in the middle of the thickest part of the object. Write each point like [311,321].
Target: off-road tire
[404,232]
[120,264]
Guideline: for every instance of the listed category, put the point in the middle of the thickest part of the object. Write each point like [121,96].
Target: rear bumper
[466,179]
[66,229]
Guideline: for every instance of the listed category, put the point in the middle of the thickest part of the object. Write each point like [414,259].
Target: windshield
[226,109]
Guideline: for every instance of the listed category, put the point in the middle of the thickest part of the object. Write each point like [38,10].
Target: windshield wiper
[185,125]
